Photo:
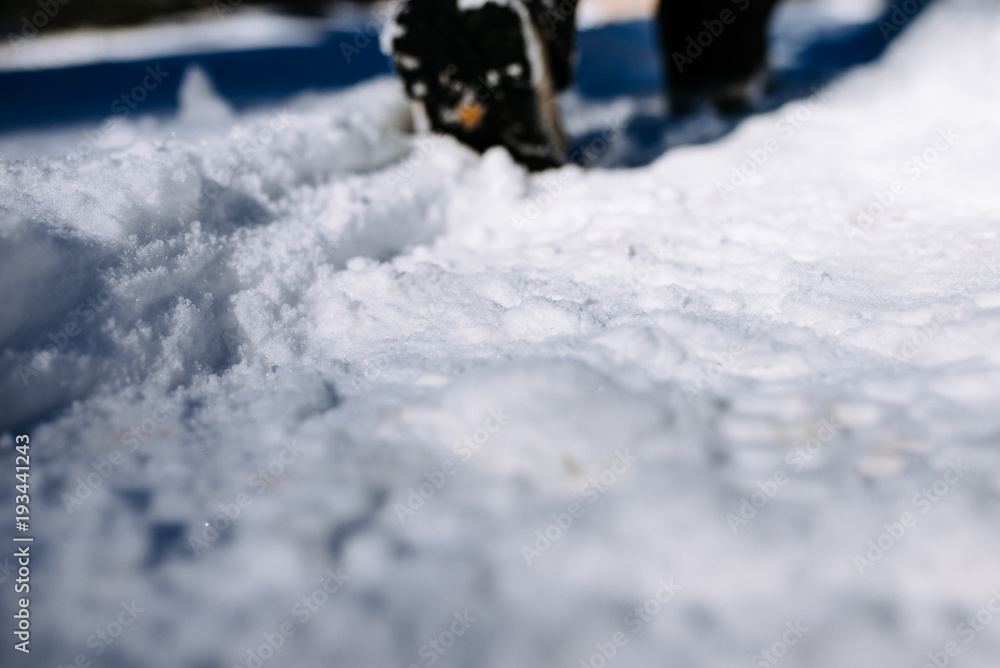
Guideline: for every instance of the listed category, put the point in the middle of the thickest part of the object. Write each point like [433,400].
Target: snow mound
[309,390]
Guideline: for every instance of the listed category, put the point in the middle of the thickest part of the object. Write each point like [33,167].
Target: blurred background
[112,13]
[63,63]
[130,12]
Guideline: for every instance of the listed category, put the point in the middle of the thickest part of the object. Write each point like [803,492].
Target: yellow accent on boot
[469,114]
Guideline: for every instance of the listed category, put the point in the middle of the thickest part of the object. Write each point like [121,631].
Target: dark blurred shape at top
[79,13]
[713,49]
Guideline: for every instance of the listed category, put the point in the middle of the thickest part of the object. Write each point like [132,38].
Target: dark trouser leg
[713,49]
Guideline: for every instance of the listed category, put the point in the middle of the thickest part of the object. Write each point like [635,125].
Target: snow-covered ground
[195,33]
[298,379]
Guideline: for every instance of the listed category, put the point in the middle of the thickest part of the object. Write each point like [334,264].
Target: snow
[469,5]
[212,31]
[304,315]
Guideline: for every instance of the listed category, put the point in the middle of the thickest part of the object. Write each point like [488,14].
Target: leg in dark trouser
[713,50]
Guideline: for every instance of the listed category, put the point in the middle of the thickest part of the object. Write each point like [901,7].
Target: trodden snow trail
[309,390]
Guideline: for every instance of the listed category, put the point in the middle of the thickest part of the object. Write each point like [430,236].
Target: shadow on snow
[608,51]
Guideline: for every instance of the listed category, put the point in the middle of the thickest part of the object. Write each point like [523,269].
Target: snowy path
[638,354]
